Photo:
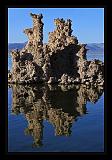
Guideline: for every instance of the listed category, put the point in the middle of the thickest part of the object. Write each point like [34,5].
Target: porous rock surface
[62,60]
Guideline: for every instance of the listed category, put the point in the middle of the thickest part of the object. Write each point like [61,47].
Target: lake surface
[55,118]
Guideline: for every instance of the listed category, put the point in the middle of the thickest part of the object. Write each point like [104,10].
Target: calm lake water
[55,118]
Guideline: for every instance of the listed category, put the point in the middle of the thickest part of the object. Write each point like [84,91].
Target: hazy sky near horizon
[87,23]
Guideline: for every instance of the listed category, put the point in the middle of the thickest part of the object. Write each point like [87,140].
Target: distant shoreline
[93,47]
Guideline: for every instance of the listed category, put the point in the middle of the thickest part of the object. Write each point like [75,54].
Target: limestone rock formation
[62,60]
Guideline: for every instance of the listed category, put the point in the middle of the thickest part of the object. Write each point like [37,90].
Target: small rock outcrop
[62,60]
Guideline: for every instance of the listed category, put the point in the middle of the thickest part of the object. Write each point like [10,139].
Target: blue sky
[87,23]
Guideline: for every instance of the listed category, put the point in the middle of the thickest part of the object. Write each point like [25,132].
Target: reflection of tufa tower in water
[35,126]
[39,103]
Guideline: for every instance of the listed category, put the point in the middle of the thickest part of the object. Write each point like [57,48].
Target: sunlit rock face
[59,105]
[62,60]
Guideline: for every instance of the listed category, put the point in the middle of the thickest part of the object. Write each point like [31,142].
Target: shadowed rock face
[60,105]
[61,60]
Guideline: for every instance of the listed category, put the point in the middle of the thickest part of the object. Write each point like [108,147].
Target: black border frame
[4,42]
